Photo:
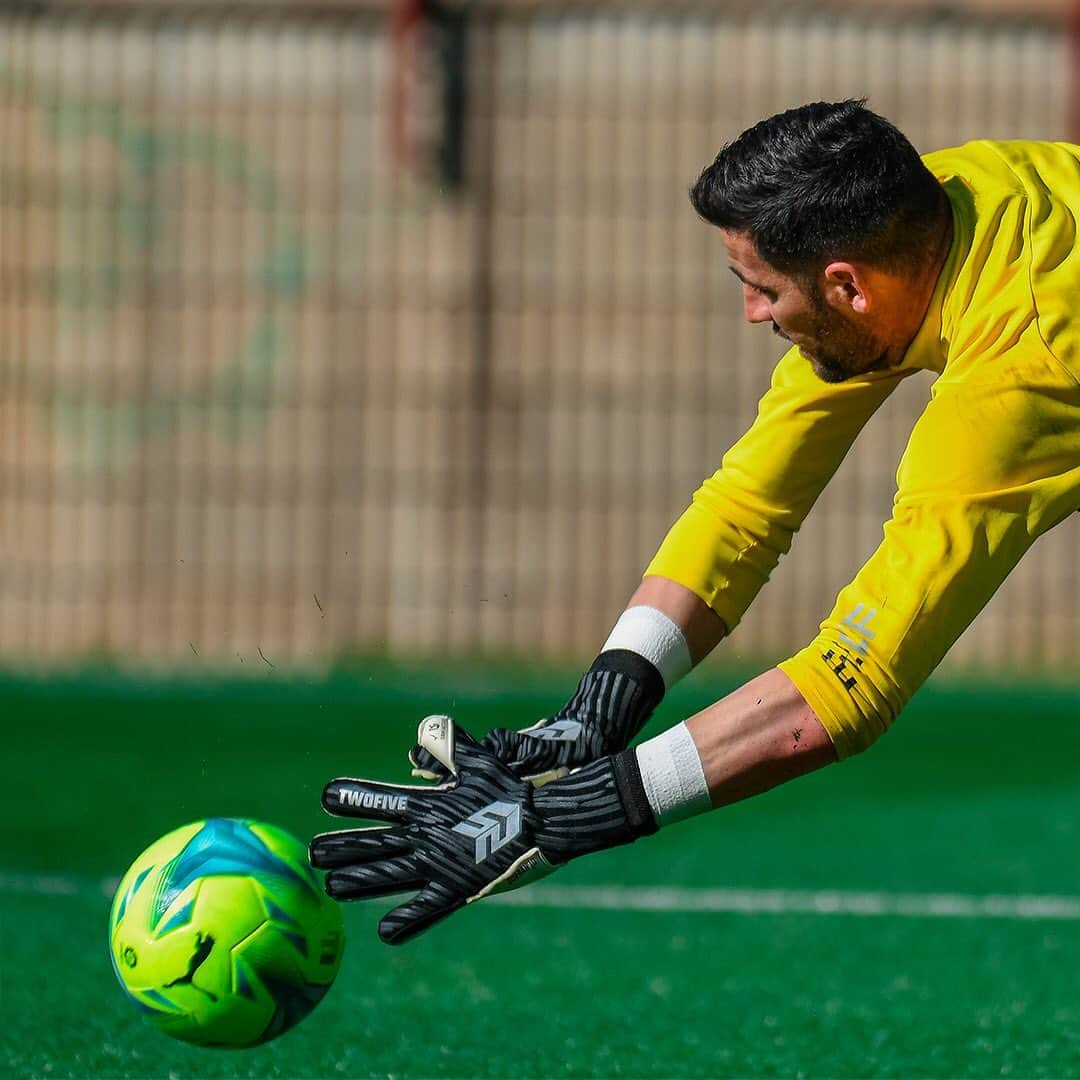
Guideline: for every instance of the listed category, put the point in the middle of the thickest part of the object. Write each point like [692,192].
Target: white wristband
[650,633]
[673,776]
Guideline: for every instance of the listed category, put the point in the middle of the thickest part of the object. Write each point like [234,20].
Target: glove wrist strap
[599,806]
[617,694]
[640,818]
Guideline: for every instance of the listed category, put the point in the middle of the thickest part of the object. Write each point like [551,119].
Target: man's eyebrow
[745,281]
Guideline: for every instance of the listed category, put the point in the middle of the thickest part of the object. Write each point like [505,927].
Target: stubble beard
[842,350]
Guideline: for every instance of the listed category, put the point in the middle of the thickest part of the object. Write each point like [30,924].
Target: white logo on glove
[560,731]
[369,801]
[492,828]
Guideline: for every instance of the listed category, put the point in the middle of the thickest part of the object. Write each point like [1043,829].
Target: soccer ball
[222,935]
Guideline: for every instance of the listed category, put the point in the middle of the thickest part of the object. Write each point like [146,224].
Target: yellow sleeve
[742,519]
[992,463]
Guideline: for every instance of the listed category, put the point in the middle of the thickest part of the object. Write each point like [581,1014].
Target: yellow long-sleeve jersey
[993,461]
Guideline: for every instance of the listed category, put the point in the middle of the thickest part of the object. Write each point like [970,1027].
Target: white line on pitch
[790,901]
[14,884]
[664,898]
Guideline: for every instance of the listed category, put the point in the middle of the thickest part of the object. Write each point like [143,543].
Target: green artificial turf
[974,792]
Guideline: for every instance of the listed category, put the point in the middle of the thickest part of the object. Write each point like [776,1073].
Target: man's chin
[826,370]
[829,369]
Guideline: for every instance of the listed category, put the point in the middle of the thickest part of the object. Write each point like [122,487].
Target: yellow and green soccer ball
[221,933]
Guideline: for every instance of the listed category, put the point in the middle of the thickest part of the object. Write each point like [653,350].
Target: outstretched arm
[961,521]
[758,736]
[701,627]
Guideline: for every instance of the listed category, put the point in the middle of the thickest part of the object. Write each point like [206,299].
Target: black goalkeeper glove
[614,699]
[484,831]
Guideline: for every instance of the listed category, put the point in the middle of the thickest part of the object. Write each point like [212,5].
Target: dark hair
[826,180]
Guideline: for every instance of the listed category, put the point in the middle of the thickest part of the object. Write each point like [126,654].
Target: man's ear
[847,286]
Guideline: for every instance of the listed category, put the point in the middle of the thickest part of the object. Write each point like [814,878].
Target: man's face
[837,342]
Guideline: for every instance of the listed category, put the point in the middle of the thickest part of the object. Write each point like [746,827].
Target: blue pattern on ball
[126,898]
[223,846]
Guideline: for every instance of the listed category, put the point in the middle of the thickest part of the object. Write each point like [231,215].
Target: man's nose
[755,306]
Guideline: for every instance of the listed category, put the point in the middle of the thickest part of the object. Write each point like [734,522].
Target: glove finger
[426,765]
[524,754]
[370,799]
[426,908]
[469,754]
[383,878]
[346,847]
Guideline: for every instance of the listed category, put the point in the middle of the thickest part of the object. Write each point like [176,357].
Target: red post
[405,20]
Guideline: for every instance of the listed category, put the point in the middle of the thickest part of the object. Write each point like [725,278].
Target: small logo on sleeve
[858,622]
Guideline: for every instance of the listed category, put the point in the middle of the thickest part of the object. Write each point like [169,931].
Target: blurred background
[340,328]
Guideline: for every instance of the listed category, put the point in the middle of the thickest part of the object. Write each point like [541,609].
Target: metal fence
[264,389]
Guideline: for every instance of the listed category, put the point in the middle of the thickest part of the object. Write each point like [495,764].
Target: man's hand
[614,699]
[483,831]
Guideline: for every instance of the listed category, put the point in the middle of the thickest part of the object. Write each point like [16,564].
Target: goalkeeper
[873,264]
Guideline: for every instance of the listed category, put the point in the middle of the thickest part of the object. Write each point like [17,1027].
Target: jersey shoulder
[1027,167]
[1017,266]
